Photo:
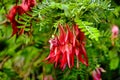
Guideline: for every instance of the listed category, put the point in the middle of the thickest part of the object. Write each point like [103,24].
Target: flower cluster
[96,74]
[66,45]
[19,9]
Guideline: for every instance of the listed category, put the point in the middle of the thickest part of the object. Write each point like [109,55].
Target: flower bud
[115,32]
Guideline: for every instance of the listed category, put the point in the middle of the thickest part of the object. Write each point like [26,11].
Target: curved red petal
[84,54]
[79,34]
[94,75]
[63,61]
[62,34]
[70,37]
[12,13]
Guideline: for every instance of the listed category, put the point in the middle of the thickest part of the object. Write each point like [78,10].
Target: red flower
[64,47]
[115,32]
[25,6]
[79,46]
[96,74]
[11,16]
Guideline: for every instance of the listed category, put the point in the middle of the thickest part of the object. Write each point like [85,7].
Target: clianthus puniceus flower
[115,32]
[66,45]
[28,4]
[19,9]
[96,74]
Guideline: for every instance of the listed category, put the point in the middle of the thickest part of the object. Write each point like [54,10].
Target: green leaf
[85,26]
[20,26]
[112,54]
[114,63]
[27,29]
[66,10]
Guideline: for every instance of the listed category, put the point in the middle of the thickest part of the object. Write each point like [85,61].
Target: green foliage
[114,60]
[114,63]
[85,26]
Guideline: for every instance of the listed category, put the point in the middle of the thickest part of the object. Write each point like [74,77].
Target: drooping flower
[65,46]
[11,16]
[96,74]
[19,9]
[79,46]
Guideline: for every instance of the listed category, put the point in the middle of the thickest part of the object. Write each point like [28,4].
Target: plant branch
[3,61]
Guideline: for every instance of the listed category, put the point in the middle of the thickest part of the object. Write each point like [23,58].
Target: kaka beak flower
[27,4]
[115,32]
[96,74]
[65,46]
[79,46]
[11,16]
[19,9]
